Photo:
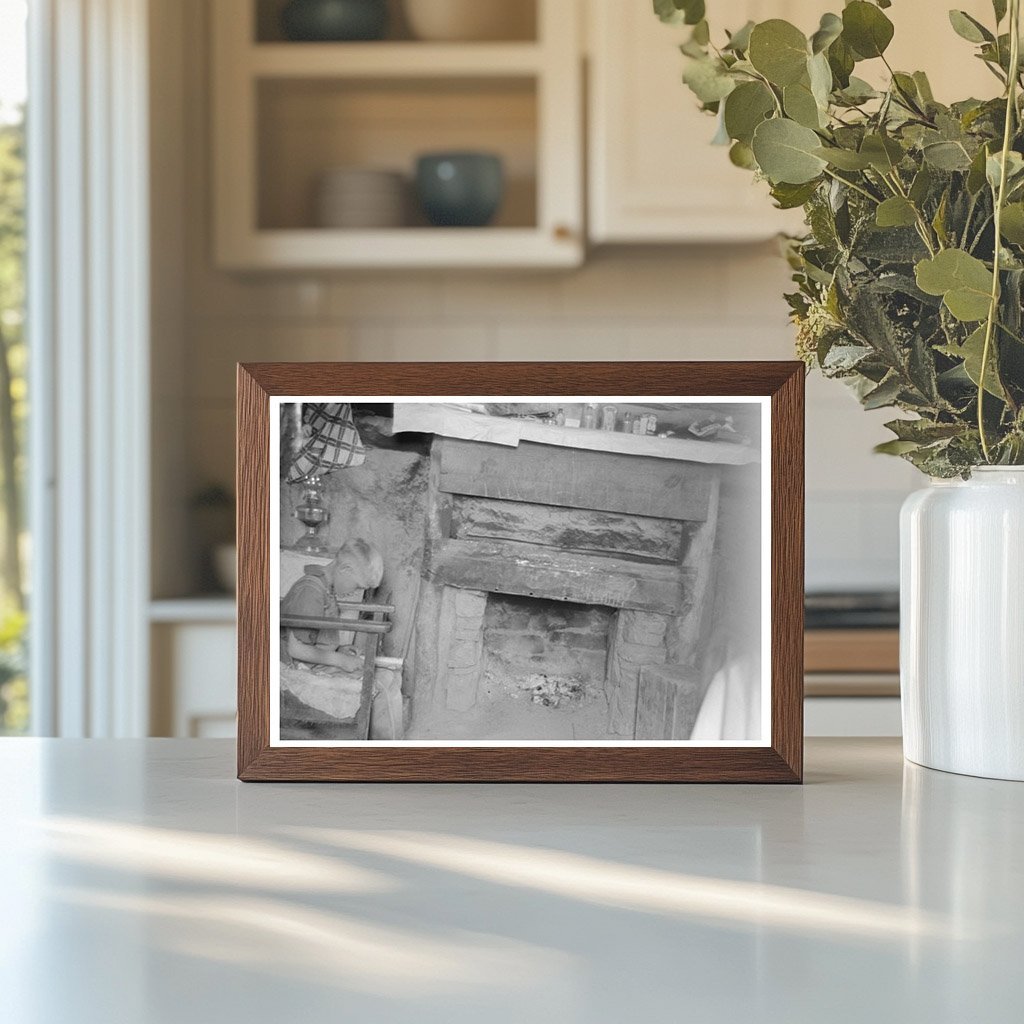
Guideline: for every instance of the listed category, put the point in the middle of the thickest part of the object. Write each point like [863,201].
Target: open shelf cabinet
[285,113]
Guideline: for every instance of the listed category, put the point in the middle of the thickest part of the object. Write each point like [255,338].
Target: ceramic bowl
[334,20]
[357,197]
[460,189]
[471,20]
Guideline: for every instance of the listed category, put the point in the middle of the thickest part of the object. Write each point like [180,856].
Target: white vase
[962,624]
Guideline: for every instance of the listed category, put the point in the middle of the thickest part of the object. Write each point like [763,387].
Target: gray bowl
[334,20]
[461,190]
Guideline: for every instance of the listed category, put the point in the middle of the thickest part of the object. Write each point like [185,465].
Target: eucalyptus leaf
[1014,169]
[972,352]
[895,447]
[976,178]
[883,153]
[907,89]
[844,159]
[923,431]
[675,12]
[739,41]
[786,152]
[842,61]
[829,30]
[779,51]
[866,30]
[939,220]
[741,155]
[1012,226]
[947,156]
[969,28]
[924,87]
[789,197]
[708,80]
[884,395]
[745,108]
[922,185]
[819,74]
[858,91]
[963,281]
[800,105]
[721,136]
[896,212]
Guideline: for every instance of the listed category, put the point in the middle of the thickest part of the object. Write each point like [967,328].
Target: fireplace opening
[548,658]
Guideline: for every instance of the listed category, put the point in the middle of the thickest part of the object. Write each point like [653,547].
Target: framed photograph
[522,572]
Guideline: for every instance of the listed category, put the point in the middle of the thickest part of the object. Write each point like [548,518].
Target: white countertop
[142,884]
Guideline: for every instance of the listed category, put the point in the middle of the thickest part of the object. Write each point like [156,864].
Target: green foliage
[905,290]
[14,709]
[13,415]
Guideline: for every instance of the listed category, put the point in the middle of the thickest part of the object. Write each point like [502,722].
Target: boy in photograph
[358,566]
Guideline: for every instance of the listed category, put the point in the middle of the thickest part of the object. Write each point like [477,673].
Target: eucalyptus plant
[910,278]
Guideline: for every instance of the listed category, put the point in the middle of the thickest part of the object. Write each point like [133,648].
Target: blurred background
[245,180]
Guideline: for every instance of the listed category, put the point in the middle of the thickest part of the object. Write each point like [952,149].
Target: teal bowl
[334,21]
[460,190]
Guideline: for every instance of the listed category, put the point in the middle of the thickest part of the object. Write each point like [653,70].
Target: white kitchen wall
[716,303]
[720,302]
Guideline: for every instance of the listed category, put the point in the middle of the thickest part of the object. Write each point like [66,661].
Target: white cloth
[732,704]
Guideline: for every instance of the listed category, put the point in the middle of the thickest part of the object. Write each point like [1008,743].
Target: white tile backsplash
[714,303]
[653,302]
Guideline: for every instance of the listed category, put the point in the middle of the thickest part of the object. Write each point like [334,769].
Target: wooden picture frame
[778,755]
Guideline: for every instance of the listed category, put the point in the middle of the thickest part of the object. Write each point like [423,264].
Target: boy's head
[357,566]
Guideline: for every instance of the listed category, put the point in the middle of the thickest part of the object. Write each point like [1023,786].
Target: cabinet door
[286,113]
[654,176]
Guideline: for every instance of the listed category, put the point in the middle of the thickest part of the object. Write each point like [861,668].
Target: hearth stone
[466,651]
[638,640]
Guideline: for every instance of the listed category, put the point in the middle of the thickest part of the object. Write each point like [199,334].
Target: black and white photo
[520,571]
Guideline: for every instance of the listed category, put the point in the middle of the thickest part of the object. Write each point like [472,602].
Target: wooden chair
[374,619]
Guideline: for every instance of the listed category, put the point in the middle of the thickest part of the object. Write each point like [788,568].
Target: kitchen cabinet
[192,651]
[653,175]
[287,113]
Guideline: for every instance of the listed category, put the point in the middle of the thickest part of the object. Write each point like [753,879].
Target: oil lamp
[312,513]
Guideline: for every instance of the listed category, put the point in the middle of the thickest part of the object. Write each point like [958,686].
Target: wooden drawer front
[584,531]
[575,478]
[852,650]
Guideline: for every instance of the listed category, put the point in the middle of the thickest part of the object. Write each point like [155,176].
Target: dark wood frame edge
[780,763]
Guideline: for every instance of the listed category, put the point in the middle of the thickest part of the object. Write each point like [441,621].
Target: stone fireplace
[552,576]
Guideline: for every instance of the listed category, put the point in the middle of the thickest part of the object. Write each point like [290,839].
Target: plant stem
[993,309]
[923,228]
[856,188]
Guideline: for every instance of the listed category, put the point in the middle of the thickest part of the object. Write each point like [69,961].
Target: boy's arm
[314,655]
